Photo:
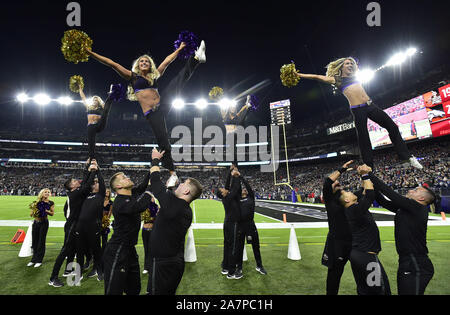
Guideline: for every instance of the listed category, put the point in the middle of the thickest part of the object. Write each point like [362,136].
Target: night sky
[247,43]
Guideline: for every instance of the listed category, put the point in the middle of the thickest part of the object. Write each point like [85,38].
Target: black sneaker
[238,274]
[261,270]
[230,276]
[92,274]
[56,283]
[224,271]
[100,276]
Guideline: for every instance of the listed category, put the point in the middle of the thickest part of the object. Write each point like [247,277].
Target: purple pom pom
[118,92]
[254,102]
[191,41]
[153,207]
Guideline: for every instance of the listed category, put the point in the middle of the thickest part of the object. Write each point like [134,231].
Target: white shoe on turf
[30,264]
[37,265]
[200,53]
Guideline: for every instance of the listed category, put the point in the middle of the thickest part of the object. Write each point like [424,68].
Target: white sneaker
[200,53]
[172,181]
[145,271]
[30,264]
[414,163]
[37,265]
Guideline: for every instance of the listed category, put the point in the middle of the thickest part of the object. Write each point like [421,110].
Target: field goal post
[280,116]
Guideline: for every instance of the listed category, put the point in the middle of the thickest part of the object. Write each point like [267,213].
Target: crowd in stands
[306,178]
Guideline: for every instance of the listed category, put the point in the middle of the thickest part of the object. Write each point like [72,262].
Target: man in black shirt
[370,277]
[248,226]
[230,196]
[415,269]
[339,239]
[89,226]
[77,193]
[169,230]
[120,259]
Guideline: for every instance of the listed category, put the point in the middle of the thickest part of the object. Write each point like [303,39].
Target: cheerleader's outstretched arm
[316,77]
[123,72]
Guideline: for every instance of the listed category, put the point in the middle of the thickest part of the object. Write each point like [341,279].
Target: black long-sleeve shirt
[365,233]
[337,221]
[247,204]
[411,219]
[172,222]
[77,197]
[127,214]
[231,201]
[92,209]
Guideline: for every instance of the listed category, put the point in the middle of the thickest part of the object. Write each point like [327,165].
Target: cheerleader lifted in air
[143,87]
[232,120]
[97,116]
[341,74]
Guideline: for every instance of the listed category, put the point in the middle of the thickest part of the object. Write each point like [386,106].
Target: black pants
[373,112]
[93,129]
[369,274]
[165,275]
[121,270]
[413,275]
[249,233]
[157,118]
[335,256]
[104,238]
[88,241]
[233,136]
[68,250]
[39,236]
[231,236]
[146,234]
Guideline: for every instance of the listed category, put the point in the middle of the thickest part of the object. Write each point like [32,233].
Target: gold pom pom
[34,209]
[75,83]
[74,43]
[288,75]
[105,222]
[146,216]
[216,93]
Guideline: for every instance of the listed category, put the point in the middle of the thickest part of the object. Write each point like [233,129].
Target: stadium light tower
[411,51]
[178,103]
[42,99]
[201,104]
[365,75]
[401,57]
[22,98]
[65,100]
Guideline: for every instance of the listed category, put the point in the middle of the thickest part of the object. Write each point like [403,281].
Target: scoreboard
[280,113]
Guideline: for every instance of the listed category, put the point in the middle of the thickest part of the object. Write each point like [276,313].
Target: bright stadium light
[201,103]
[411,51]
[42,99]
[22,98]
[365,75]
[397,59]
[65,100]
[90,101]
[224,103]
[178,103]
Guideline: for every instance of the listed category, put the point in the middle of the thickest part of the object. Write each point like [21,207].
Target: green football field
[285,277]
